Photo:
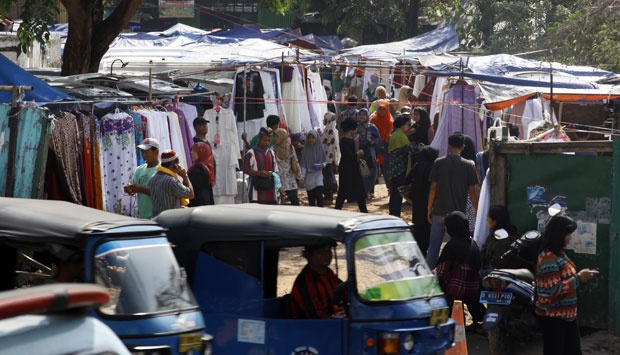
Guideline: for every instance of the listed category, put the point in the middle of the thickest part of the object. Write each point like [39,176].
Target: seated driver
[313,292]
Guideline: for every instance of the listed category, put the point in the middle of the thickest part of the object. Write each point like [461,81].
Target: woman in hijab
[382,119]
[423,129]
[368,135]
[400,163]
[351,186]
[202,175]
[403,96]
[419,180]
[288,165]
[260,162]
[458,267]
[329,140]
[496,244]
[313,160]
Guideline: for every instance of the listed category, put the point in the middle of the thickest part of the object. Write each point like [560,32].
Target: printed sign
[176,8]
[251,331]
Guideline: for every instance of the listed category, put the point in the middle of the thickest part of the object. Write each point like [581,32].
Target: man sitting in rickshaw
[313,291]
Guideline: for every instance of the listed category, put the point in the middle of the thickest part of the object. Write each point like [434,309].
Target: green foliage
[37,16]
[588,37]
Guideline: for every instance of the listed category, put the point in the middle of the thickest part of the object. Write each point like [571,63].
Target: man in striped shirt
[167,192]
[313,291]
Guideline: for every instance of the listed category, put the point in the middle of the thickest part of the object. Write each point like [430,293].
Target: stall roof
[441,40]
[11,74]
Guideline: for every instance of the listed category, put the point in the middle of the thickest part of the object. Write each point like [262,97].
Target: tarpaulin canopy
[441,40]
[11,74]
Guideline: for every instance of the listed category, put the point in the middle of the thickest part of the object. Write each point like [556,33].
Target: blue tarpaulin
[12,74]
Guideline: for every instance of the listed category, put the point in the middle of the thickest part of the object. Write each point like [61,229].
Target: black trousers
[315,196]
[560,337]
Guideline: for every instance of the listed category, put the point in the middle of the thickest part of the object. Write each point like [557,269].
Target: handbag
[406,191]
[364,169]
[295,168]
[261,183]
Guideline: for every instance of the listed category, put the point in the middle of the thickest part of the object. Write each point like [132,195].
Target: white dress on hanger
[176,138]
[317,100]
[224,141]
[296,103]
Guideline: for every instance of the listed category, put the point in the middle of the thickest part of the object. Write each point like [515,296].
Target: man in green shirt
[273,122]
[140,181]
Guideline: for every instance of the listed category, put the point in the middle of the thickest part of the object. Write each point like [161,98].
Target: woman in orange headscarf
[383,120]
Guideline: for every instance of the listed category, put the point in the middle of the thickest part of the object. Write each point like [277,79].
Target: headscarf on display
[312,153]
[205,159]
[283,149]
[459,248]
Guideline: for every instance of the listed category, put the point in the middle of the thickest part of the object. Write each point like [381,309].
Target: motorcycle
[509,296]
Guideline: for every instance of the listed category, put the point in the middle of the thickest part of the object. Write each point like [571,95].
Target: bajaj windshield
[390,267]
[142,277]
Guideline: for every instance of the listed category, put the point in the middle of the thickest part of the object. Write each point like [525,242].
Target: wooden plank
[553,147]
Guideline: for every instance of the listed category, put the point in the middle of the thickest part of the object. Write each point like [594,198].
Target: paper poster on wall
[251,331]
[583,240]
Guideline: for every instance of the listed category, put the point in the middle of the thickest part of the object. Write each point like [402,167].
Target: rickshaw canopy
[60,221]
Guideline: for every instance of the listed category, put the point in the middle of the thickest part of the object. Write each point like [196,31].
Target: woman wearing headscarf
[403,96]
[202,175]
[313,160]
[329,140]
[423,129]
[400,163]
[368,136]
[351,186]
[288,165]
[458,267]
[421,186]
[382,119]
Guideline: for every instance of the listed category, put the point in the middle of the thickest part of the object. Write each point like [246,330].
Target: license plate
[439,316]
[495,297]
[190,342]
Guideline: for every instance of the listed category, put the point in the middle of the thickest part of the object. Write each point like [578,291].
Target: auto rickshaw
[237,258]
[151,307]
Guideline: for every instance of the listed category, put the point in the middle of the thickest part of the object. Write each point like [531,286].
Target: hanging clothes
[296,102]
[176,139]
[248,95]
[118,160]
[31,150]
[317,99]
[225,142]
[66,148]
[459,113]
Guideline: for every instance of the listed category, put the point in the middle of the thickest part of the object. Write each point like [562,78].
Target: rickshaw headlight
[409,342]
[388,343]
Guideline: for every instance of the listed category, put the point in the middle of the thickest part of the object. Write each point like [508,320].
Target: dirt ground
[593,342]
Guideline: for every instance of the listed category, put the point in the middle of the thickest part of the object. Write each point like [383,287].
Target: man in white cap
[139,183]
[167,192]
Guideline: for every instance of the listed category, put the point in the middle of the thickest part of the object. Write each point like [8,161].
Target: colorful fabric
[458,280]
[399,150]
[313,294]
[257,159]
[556,286]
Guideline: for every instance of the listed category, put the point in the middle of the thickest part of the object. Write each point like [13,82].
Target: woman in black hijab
[459,265]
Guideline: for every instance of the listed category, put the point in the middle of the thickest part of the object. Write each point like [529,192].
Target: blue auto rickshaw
[235,258]
[151,307]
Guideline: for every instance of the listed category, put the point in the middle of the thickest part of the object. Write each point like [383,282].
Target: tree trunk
[411,20]
[90,35]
